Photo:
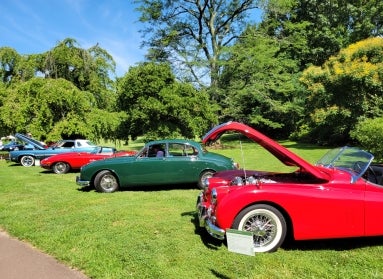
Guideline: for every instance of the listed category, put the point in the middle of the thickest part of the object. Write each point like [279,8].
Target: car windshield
[96,150]
[84,143]
[350,159]
[102,150]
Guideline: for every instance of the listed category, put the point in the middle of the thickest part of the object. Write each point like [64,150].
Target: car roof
[185,141]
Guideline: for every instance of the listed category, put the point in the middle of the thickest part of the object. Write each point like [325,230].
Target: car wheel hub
[262,228]
[107,182]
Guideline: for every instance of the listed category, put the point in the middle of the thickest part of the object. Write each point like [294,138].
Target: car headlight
[205,183]
[213,197]
[252,180]
[237,181]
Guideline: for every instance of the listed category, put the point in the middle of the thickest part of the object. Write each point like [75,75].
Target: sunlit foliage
[349,86]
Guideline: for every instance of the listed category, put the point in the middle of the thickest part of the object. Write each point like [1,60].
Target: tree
[193,35]
[52,109]
[367,18]
[9,59]
[369,134]
[261,85]
[87,69]
[157,106]
[346,89]
[314,30]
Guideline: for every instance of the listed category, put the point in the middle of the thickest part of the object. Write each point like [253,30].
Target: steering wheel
[371,170]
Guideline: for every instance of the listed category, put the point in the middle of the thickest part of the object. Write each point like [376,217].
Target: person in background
[158,151]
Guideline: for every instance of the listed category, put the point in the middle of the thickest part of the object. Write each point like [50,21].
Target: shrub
[369,133]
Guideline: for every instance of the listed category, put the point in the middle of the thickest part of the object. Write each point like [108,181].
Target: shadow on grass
[341,244]
[14,165]
[153,188]
[207,240]
[46,171]
[218,274]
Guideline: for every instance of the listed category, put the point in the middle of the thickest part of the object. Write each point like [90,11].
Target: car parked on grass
[28,158]
[340,196]
[163,162]
[63,163]
[21,142]
[15,145]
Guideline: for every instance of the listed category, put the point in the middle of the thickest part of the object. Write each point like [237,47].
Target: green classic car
[161,162]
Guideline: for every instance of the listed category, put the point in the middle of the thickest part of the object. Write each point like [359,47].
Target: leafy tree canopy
[157,106]
[193,35]
[88,69]
[313,30]
[346,89]
[8,61]
[260,84]
[52,109]
[369,134]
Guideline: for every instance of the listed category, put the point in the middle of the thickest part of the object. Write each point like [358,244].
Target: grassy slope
[151,233]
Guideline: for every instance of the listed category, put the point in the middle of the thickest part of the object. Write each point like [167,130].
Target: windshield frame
[350,159]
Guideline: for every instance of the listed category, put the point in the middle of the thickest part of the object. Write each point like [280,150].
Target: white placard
[241,242]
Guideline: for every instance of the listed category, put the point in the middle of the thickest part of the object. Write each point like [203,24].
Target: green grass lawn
[152,233]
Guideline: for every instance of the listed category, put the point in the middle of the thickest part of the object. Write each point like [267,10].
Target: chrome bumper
[82,182]
[204,220]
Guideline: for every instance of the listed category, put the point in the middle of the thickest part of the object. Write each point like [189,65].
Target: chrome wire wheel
[267,225]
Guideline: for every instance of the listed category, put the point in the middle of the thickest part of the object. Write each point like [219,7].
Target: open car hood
[36,144]
[279,151]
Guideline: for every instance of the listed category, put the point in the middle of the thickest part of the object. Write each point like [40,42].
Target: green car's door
[147,171]
[178,163]
[183,163]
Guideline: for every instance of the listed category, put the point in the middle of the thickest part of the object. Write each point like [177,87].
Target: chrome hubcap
[263,228]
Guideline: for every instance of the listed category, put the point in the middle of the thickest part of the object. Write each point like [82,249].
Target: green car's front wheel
[202,178]
[106,182]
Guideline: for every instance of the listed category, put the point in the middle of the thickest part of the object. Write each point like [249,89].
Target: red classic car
[62,163]
[340,196]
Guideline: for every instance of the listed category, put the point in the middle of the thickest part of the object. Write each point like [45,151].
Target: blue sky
[36,26]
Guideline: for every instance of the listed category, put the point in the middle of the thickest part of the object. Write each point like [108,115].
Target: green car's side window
[178,149]
[175,149]
[157,150]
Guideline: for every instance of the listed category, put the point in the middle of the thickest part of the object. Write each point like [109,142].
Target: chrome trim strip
[81,182]
[205,222]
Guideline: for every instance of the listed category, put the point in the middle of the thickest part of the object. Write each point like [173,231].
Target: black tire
[267,224]
[106,182]
[27,160]
[203,176]
[60,168]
